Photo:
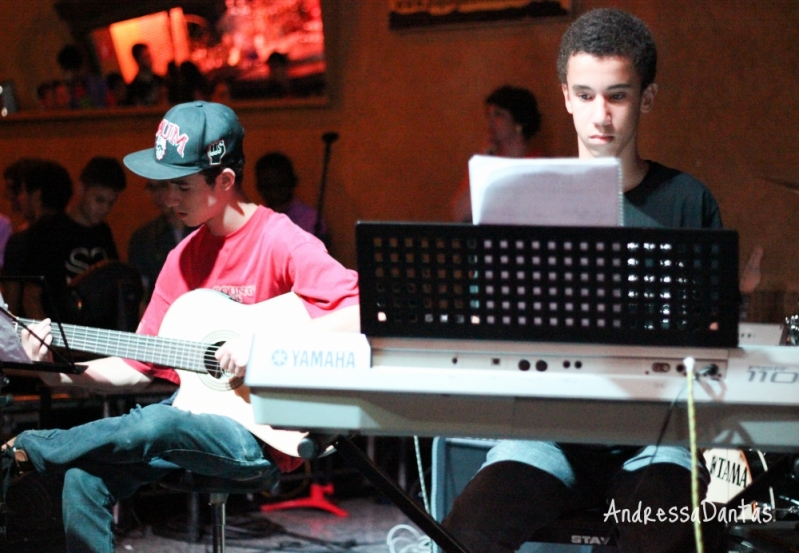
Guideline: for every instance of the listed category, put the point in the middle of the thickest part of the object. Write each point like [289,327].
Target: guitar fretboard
[170,352]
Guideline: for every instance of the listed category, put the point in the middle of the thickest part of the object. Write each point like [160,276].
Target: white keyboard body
[568,392]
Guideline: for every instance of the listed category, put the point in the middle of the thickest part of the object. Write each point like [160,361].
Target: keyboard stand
[358,459]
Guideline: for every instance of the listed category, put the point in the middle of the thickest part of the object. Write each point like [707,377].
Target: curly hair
[610,32]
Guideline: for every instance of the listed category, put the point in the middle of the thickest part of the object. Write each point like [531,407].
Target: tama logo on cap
[190,138]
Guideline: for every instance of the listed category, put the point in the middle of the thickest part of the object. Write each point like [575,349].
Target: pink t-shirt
[266,257]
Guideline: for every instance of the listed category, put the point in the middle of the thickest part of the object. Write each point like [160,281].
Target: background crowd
[79,87]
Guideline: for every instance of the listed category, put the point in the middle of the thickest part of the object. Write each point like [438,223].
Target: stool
[218,490]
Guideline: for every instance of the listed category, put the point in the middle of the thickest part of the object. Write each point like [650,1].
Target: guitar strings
[171,352]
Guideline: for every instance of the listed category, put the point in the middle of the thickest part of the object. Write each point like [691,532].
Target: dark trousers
[508,501]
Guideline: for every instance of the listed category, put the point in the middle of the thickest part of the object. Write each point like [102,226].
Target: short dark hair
[521,104]
[105,172]
[53,181]
[16,173]
[137,49]
[610,32]
[236,166]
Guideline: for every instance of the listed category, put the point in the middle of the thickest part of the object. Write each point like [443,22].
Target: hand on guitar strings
[234,354]
[36,346]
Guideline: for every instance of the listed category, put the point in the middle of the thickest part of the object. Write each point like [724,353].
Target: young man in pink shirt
[246,251]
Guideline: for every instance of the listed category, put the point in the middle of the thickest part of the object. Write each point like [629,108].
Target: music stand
[606,285]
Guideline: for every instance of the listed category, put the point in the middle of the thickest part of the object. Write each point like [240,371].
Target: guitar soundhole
[210,362]
[216,378]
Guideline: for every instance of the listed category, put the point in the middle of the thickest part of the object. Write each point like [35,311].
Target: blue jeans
[109,459]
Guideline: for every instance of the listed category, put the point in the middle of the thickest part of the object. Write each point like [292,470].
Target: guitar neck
[178,354]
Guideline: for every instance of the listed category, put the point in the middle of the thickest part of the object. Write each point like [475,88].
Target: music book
[546,191]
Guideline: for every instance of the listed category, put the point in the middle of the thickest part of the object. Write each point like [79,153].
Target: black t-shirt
[670,198]
[15,261]
[60,249]
[665,198]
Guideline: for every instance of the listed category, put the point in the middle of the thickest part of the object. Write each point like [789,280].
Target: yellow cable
[689,373]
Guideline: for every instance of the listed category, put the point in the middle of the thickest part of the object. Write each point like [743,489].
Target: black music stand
[606,285]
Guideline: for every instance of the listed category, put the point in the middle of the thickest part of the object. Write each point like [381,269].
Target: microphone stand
[328,138]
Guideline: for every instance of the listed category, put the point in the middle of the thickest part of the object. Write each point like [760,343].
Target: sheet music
[545,191]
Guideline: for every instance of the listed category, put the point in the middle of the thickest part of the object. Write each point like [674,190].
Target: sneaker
[15,464]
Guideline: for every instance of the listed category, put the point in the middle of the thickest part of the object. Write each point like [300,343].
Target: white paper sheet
[545,191]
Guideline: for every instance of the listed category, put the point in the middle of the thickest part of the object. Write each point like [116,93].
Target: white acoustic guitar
[194,327]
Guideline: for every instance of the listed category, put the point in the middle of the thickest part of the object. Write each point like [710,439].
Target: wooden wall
[408,107]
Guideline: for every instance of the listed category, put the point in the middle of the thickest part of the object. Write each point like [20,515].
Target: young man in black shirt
[606,65]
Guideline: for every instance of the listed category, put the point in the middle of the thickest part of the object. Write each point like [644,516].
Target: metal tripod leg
[351,453]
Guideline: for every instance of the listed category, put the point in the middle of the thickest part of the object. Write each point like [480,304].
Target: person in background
[46,95]
[275,180]
[513,120]
[151,243]
[146,87]
[62,98]
[65,244]
[220,91]
[86,90]
[117,89]
[247,251]
[278,83]
[15,176]
[38,189]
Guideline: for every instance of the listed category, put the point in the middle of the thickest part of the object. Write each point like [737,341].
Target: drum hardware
[732,472]
[792,330]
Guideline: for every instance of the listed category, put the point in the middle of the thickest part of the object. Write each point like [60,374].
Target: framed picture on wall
[222,50]
[415,14]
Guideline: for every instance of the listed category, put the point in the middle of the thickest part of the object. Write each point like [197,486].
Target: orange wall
[408,107]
